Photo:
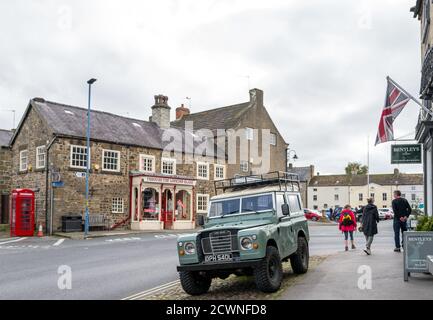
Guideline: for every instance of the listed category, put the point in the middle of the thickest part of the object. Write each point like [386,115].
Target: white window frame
[384,196]
[168,160]
[24,165]
[117,203]
[220,166]
[242,163]
[39,153]
[206,164]
[207,203]
[103,160]
[70,156]
[249,133]
[148,157]
[273,142]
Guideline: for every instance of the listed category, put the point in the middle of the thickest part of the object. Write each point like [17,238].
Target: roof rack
[285,180]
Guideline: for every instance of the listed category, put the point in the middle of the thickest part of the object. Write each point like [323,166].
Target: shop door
[167,209]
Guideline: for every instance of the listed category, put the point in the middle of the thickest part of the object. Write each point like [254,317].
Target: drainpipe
[47,169]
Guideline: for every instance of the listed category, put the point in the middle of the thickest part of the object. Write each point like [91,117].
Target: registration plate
[218,257]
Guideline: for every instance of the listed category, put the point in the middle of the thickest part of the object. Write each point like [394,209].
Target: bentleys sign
[406,153]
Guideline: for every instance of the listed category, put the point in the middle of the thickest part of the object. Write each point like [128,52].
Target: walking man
[370,219]
[402,211]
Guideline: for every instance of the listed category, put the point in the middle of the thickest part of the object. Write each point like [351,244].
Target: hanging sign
[406,154]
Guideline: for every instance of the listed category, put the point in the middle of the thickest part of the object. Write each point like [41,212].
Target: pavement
[354,275]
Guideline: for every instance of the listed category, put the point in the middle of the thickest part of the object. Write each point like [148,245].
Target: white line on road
[15,240]
[154,290]
[58,242]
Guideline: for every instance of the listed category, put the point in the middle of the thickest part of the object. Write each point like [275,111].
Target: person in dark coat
[370,219]
[402,211]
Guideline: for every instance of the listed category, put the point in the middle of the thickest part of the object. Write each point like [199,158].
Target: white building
[338,190]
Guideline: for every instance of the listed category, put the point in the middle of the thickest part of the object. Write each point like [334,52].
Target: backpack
[347,219]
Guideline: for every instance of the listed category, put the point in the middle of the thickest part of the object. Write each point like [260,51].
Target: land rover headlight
[246,243]
[189,248]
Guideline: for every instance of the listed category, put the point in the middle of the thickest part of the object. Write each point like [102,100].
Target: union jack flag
[395,101]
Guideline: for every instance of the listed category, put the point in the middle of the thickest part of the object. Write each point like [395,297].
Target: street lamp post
[86,221]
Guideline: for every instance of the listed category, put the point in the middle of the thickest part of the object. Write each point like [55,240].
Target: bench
[97,220]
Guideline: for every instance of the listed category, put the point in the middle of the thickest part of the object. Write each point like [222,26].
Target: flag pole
[410,96]
[368,166]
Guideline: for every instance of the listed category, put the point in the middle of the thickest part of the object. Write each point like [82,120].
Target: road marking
[58,242]
[154,290]
[10,241]
[123,239]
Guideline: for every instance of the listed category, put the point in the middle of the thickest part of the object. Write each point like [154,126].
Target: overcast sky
[322,64]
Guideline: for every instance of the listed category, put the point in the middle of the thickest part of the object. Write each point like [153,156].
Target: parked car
[385,213]
[249,230]
[313,215]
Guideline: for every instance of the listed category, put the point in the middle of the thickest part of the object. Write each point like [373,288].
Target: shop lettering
[177,310]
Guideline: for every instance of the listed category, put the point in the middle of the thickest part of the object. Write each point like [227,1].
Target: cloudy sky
[322,64]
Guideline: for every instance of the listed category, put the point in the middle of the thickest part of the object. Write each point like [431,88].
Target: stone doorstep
[101,234]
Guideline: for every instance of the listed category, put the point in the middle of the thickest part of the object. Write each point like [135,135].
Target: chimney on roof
[290,165]
[312,171]
[181,111]
[256,97]
[161,112]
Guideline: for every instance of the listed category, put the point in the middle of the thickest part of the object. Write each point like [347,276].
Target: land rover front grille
[219,242]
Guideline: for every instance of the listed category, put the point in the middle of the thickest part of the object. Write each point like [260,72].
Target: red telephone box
[22,214]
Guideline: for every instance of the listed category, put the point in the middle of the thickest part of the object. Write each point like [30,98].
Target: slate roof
[220,118]
[71,121]
[304,173]
[5,137]
[361,180]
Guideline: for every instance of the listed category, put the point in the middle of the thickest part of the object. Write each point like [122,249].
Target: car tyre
[269,272]
[300,259]
[194,283]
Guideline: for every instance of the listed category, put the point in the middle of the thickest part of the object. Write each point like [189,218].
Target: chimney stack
[256,97]
[181,111]
[161,112]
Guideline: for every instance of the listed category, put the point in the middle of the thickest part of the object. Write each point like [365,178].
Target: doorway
[167,209]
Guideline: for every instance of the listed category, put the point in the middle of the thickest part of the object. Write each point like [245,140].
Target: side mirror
[285,209]
[200,220]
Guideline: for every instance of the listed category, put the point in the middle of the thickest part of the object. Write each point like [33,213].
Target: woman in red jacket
[347,225]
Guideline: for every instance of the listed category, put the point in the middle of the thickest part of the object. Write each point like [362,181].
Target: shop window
[150,204]
[183,205]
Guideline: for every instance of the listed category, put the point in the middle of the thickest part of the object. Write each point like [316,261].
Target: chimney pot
[161,111]
[181,111]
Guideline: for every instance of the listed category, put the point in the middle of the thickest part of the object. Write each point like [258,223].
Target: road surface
[118,266]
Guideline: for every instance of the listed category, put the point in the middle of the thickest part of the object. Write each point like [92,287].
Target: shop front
[161,202]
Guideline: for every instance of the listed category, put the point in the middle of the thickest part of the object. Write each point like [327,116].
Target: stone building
[305,174]
[138,176]
[423,11]
[250,119]
[5,174]
[338,190]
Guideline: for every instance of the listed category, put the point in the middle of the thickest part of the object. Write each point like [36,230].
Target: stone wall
[5,178]
[259,118]
[33,133]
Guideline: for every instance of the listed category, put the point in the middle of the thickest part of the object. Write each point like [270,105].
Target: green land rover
[252,226]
